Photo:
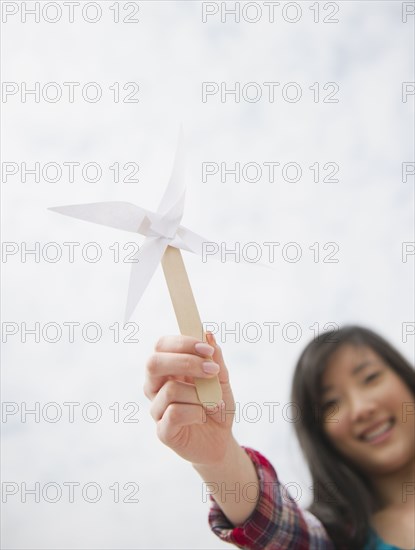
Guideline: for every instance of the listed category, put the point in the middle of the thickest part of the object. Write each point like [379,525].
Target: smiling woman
[357,431]
[360,449]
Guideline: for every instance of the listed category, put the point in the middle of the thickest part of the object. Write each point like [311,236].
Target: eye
[332,403]
[372,376]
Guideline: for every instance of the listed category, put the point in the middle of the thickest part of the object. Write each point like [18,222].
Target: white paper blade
[176,186]
[121,215]
[149,256]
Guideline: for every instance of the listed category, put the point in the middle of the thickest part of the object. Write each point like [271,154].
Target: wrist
[226,479]
[231,453]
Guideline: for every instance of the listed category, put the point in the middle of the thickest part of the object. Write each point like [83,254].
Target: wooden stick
[208,390]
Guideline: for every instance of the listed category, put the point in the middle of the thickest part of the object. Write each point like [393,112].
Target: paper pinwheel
[164,239]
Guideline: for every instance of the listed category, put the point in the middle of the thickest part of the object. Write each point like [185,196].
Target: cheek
[397,400]
[406,419]
[337,429]
[404,408]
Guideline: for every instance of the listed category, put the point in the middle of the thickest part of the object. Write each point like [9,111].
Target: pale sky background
[170,52]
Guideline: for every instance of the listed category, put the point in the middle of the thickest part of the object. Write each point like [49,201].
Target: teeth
[375,433]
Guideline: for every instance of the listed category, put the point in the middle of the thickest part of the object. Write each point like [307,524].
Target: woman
[357,431]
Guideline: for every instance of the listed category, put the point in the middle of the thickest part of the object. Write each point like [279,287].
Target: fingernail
[204,349]
[209,367]
[211,336]
[212,406]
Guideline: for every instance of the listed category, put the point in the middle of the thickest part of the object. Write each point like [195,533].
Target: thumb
[218,358]
[223,376]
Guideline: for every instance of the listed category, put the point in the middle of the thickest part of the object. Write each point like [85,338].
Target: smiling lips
[377,430]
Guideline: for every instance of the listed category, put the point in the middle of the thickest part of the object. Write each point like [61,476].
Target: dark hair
[343,497]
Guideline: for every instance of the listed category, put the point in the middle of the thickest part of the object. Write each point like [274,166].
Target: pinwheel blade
[149,257]
[196,243]
[175,189]
[188,240]
[118,214]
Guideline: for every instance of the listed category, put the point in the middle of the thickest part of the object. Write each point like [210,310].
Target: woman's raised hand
[197,433]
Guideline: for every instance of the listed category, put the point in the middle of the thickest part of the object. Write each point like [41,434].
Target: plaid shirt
[277,523]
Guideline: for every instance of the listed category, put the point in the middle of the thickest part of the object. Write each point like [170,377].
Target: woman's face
[368,410]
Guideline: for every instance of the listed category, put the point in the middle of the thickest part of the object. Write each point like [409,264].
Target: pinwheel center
[165,228]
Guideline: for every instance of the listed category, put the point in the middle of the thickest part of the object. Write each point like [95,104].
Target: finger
[161,366]
[175,418]
[188,344]
[173,391]
[182,344]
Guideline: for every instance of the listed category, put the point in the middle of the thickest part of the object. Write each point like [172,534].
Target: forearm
[234,483]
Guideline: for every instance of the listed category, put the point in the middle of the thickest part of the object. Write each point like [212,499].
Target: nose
[361,406]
